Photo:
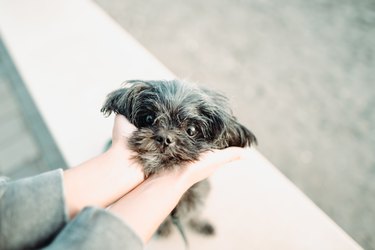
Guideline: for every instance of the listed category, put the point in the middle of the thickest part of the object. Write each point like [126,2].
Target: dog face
[176,122]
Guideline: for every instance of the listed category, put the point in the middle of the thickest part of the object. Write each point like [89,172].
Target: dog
[176,122]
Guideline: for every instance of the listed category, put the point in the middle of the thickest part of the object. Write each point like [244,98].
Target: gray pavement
[26,146]
[300,74]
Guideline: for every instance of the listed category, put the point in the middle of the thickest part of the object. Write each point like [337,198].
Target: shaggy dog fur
[176,122]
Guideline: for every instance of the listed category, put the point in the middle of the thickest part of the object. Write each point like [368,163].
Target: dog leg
[202,226]
[165,228]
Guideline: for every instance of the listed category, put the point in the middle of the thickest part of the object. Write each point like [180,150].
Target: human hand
[122,130]
[211,161]
[134,208]
[104,179]
[119,151]
[208,163]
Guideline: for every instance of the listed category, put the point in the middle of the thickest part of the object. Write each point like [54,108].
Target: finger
[224,156]
[122,124]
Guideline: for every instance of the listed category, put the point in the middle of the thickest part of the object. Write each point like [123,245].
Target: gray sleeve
[32,210]
[33,214]
[95,228]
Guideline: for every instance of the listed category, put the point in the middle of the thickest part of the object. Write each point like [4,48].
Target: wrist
[100,181]
[179,180]
[120,155]
[121,167]
[118,151]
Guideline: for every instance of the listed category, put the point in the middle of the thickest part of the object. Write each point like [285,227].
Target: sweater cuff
[33,210]
[96,228]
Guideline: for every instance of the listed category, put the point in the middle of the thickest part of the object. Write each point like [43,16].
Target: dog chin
[164,159]
[155,157]
[154,162]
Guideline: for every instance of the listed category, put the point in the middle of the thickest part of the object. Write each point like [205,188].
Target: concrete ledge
[24,134]
[71,54]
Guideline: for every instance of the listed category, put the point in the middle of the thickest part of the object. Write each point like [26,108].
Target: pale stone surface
[300,73]
[26,147]
[74,53]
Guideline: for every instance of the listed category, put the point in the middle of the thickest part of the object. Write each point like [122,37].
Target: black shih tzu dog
[176,122]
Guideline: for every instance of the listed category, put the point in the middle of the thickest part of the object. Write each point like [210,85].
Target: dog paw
[207,229]
[202,227]
[164,230]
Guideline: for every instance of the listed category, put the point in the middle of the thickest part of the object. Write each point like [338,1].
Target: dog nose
[164,139]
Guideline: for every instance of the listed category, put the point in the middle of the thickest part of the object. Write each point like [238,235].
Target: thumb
[123,127]
[211,161]
[223,156]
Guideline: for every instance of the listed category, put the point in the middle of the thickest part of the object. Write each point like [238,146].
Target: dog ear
[122,101]
[226,128]
[236,134]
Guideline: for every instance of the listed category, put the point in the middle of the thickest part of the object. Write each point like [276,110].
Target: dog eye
[191,131]
[149,119]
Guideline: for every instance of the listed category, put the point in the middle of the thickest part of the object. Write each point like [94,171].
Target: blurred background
[299,74]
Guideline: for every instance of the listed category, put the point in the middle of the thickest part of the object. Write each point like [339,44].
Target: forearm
[100,181]
[95,228]
[31,211]
[145,208]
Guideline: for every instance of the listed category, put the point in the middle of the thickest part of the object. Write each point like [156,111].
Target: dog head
[175,122]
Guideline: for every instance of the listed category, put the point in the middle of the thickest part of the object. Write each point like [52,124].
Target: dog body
[176,122]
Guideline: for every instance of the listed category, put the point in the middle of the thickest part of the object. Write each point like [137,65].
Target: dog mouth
[152,150]
[157,151]
[174,153]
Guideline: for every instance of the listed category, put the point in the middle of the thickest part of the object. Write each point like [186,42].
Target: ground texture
[300,74]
